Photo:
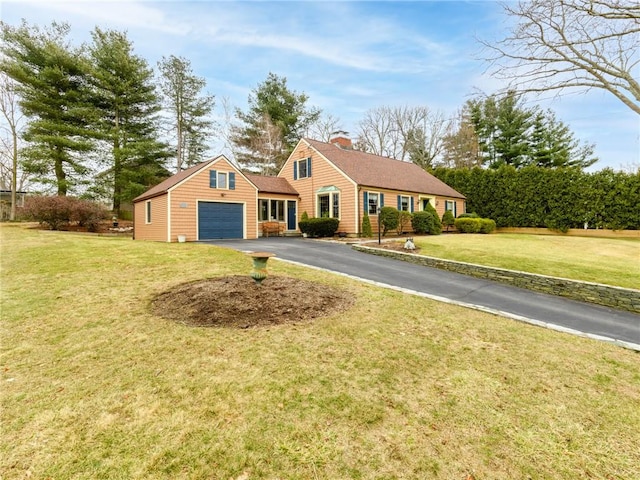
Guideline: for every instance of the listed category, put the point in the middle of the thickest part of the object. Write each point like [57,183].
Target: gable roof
[263,184]
[375,171]
[165,186]
[272,184]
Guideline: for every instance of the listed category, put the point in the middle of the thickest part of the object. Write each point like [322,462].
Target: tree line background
[96,120]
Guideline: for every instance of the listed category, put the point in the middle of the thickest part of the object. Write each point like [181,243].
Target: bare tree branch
[559,44]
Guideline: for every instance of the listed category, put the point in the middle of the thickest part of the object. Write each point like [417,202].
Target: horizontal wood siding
[157,229]
[184,199]
[323,174]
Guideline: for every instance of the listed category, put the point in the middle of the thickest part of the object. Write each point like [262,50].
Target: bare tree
[10,127]
[461,144]
[405,133]
[267,146]
[558,44]
[323,128]
[377,133]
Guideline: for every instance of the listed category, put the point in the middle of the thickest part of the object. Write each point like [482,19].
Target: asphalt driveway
[520,304]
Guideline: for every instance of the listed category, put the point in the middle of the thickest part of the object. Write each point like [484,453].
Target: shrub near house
[319,227]
[474,225]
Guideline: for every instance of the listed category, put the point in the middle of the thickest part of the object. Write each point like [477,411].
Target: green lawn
[93,386]
[601,260]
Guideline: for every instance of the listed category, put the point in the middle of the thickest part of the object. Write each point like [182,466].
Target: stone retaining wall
[616,297]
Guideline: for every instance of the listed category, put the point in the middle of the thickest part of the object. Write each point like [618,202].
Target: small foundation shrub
[474,225]
[447,219]
[319,227]
[366,226]
[404,220]
[388,219]
[422,222]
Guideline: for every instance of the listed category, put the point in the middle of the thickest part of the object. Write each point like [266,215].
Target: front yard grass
[601,260]
[94,386]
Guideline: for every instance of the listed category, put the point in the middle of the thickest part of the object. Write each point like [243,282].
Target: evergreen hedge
[559,198]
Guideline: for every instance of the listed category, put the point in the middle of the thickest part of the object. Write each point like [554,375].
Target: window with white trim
[276,210]
[263,210]
[336,205]
[451,206]
[329,205]
[147,212]
[222,179]
[404,203]
[373,203]
[302,169]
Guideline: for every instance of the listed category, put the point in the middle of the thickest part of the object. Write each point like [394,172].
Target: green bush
[447,219]
[487,225]
[366,226]
[474,225]
[467,225]
[468,215]
[319,227]
[436,229]
[304,216]
[422,222]
[388,219]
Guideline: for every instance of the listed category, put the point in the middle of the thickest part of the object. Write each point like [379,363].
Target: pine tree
[512,125]
[189,109]
[127,109]
[553,144]
[276,120]
[51,79]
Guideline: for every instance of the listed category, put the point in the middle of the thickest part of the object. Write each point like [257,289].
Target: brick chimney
[341,139]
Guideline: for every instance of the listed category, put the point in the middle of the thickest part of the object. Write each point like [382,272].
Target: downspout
[358,222]
[169,216]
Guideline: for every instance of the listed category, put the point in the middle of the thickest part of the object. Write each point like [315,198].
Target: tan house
[336,181]
[216,200]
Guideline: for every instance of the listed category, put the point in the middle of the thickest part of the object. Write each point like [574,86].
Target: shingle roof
[272,184]
[163,187]
[381,172]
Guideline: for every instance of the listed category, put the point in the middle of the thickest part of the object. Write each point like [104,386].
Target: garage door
[220,220]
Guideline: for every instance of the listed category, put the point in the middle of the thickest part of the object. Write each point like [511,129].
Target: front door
[291,214]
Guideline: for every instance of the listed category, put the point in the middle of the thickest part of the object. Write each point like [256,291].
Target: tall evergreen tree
[51,79]
[511,134]
[501,125]
[553,144]
[273,107]
[127,104]
[512,125]
[188,107]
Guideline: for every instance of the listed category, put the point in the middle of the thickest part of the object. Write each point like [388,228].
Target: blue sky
[348,57]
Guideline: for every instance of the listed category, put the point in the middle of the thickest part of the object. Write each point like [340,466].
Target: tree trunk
[14,176]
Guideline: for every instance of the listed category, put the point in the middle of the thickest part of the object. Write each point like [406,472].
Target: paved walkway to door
[545,310]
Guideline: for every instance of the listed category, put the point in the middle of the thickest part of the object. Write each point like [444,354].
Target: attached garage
[220,220]
[208,201]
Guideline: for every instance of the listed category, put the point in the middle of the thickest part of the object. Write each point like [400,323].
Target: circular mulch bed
[237,301]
